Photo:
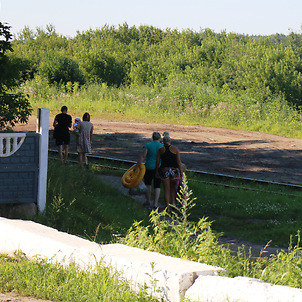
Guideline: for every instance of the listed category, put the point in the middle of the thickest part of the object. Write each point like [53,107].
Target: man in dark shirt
[62,123]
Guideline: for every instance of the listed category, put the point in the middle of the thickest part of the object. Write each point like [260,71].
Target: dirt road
[240,153]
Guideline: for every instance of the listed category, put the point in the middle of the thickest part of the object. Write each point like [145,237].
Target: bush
[60,69]
[174,235]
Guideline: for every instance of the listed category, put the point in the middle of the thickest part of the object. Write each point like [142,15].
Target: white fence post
[43,130]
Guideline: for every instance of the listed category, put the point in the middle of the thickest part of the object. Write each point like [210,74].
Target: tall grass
[178,103]
[176,235]
[41,279]
[80,203]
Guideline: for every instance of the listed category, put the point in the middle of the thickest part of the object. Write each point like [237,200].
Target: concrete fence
[23,168]
[10,143]
[172,277]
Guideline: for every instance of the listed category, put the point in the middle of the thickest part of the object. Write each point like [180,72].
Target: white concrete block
[168,275]
[240,289]
[172,277]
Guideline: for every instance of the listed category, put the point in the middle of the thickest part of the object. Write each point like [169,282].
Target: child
[75,125]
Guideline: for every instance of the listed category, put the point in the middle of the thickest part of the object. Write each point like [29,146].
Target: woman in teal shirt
[149,157]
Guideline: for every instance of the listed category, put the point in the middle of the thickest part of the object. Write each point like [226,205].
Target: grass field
[174,104]
[246,210]
[79,203]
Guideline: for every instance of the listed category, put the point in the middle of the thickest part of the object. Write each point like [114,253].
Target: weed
[54,282]
[84,204]
[175,235]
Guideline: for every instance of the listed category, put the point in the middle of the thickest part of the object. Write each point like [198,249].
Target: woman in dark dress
[170,169]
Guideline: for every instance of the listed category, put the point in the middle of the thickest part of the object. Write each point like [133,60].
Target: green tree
[14,107]
[57,68]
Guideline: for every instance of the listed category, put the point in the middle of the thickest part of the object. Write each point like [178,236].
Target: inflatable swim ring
[131,178]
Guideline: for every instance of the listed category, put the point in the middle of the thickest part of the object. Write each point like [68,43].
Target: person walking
[148,156]
[62,122]
[169,169]
[85,138]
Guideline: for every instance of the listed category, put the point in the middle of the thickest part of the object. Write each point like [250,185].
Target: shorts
[169,172]
[149,176]
[63,140]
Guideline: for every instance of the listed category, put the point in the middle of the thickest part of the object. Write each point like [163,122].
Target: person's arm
[55,122]
[91,133]
[70,123]
[142,156]
[157,161]
[178,161]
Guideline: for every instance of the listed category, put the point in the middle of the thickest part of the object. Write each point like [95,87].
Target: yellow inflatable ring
[131,178]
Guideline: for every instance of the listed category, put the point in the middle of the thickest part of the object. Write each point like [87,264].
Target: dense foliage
[14,107]
[258,67]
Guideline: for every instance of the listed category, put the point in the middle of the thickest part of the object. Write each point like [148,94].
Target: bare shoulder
[161,149]
[174,149]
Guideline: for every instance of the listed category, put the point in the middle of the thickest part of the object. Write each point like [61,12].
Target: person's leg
[156,182]
[167,192]
[148,180]
[148,194]
[85,159]
[60,147]
[66,149]
[156,196]
[81,159]
[173,191]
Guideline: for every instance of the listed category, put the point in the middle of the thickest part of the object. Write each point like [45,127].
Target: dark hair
[64,108]
[156,136]
[86,117]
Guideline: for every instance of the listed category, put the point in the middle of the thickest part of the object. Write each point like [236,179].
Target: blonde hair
[166,139]
[166,134]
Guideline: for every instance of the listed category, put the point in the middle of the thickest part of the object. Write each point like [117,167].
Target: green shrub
[175,235]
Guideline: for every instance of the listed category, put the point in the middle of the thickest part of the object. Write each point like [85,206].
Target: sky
[256,17]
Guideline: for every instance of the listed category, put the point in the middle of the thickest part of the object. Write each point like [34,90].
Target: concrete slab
[240,289]
[165,276]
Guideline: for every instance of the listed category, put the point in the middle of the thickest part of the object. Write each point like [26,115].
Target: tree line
[258,67]
[147,55]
